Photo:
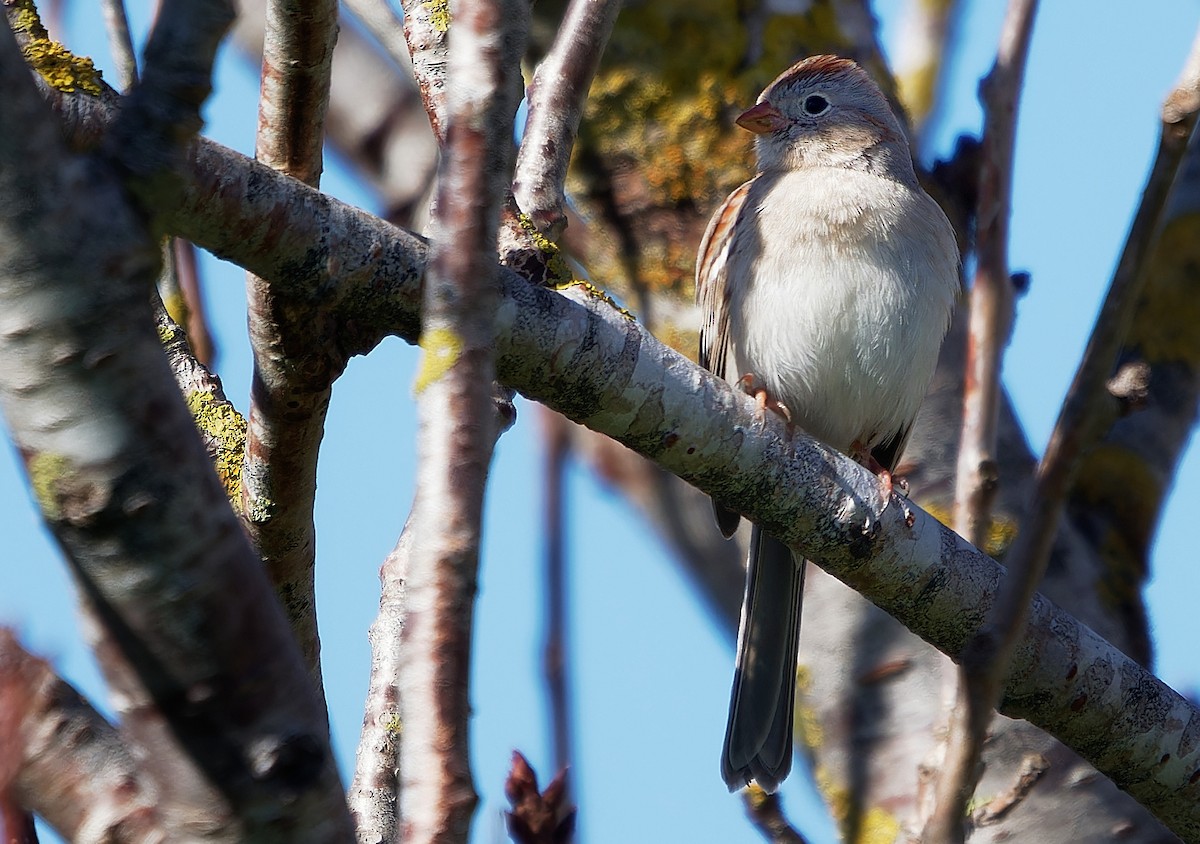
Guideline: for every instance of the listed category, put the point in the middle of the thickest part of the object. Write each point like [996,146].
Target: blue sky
[651,674]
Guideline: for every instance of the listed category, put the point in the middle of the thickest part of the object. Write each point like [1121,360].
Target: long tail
[758,738]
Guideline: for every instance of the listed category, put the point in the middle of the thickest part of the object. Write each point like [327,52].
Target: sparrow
[826,285]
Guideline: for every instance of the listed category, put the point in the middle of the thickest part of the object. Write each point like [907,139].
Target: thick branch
[69,765]
[195,647]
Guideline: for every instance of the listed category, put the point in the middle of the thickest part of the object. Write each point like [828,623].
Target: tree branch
[385,26]
[556,99]
[766,814]
[373,795]
[556,446]
[426,23]
[119,42]
[292,373]
[454,409]
[160,116]
[69,765]
[989,326]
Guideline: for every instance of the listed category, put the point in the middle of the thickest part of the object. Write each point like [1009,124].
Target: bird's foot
[888,483]
[750,385]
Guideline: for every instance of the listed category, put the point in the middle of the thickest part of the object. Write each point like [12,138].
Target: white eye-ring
[815,105]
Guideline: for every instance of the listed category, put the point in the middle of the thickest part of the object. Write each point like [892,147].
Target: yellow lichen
[61,68]
[439,14]
[559,270]
[596,293]
[260,509]
[224,431]
[45,470]
[874,826]
[442,348]
[167,332]
[1001,532]
[176,307]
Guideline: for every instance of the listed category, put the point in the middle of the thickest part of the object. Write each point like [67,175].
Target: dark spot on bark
[1079,703]
[670,439]
[1073,671]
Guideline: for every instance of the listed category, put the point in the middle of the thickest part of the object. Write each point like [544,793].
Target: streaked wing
[712,293]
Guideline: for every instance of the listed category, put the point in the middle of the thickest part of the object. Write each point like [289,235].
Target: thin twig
[426,23]
[557,445]
[556,99]
[373,795]
[187,270]
[293,379]
[454,396]
[120,43]
[992,292]
[766,813]
[988,330]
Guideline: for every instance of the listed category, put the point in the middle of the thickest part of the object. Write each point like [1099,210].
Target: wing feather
[712,295]
[712,291]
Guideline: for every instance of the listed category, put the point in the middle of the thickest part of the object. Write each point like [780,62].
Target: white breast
[842,312]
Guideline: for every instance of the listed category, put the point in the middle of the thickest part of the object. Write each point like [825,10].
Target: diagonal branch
[293,377]
[70,765]
[556,99]
[456,417]
[603,370]
[120,43]
[579,356]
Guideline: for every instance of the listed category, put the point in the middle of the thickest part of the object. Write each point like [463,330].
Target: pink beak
[762,118]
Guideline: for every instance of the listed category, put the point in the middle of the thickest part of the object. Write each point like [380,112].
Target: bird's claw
[750,385]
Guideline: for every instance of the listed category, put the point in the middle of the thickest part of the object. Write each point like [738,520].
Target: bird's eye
[815,104]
